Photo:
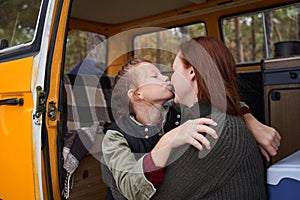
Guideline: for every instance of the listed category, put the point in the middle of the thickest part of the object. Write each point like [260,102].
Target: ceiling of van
[120,11]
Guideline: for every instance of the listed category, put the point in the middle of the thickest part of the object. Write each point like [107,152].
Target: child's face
[152,85]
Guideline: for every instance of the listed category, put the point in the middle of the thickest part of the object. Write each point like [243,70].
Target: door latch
[40,106]
[52,111]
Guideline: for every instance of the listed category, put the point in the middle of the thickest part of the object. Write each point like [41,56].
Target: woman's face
[182,80]
[152,85]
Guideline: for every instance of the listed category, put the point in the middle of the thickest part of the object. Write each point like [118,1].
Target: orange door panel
[17,156]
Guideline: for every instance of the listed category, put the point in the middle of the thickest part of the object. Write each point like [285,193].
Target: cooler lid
[288,167]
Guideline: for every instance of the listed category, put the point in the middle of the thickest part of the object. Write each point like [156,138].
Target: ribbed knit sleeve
[232,169]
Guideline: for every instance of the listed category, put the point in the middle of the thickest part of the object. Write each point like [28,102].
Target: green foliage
[82,45]
[18,20]
[246,39]
[249,47]
[162,46]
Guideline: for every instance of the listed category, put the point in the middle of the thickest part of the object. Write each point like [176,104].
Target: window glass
[251,37]
[18,21]
[85,52]
[161,46]
[244,37]
[282,24]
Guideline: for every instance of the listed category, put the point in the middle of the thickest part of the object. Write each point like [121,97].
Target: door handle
[12,102]
[275,96]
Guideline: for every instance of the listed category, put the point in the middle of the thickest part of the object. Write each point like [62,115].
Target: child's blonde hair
[125,80]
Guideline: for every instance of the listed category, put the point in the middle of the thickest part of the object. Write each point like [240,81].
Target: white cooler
[283,178]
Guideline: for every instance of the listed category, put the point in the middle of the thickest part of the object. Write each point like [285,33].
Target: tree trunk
[269,31]
[253,28]
[239,46]
[298,25]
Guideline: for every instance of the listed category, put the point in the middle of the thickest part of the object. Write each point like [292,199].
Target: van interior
[111,33]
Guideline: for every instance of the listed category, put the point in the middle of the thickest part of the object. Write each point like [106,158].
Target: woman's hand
[268,138]
[191,132]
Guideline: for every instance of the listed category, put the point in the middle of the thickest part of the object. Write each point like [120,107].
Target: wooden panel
[88,184]
[283,108]
[282,102]
[280,63]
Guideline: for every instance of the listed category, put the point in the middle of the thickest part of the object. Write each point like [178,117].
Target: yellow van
[42,42]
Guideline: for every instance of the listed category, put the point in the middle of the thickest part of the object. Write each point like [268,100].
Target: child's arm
[126,170]
[132,179]
[153,173]
[188,133]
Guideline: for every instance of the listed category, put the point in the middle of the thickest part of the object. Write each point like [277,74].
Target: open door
[26,31]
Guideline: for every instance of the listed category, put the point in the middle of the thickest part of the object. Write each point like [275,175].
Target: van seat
[88,115]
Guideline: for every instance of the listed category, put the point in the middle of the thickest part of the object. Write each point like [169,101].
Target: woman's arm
[268,138]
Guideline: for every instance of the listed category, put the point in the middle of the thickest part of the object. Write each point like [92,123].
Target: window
[18,21]
[251,37]
[161,47]
[282,24]
[85,49]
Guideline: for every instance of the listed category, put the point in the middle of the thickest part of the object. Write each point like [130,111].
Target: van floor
[88,184]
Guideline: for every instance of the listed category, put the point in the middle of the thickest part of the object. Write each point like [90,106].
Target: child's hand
[192,132]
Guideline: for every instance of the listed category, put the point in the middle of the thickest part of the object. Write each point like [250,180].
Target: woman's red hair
[215,72]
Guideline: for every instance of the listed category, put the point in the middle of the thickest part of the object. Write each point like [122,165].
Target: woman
[233,169]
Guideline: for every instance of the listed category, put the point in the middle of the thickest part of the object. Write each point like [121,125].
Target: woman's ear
[192,74]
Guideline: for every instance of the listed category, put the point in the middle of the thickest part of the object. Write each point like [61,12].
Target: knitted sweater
[232,169]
